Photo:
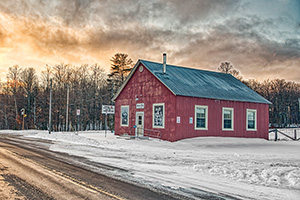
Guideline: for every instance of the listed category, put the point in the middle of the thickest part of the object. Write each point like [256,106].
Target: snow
[239,167]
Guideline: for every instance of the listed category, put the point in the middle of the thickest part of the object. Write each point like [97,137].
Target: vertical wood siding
[185,108]
[149,90]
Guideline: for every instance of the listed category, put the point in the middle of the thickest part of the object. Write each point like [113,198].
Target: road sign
[78,111]
[108,109]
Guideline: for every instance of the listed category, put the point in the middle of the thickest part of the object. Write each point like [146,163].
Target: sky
[261,38]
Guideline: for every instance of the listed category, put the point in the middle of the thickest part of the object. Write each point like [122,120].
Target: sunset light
[260,38]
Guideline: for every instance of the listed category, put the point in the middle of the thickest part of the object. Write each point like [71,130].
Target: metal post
[50,102]
[295,134]
[105,123]
[23,122]
[77,123]
[67,115]
[276,136]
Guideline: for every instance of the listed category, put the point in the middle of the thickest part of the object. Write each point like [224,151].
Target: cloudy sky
[260,37]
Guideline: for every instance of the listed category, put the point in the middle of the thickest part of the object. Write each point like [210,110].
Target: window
[140,120]
[201,117]
[227,119]
[124,115]
[251,123]
[159,115]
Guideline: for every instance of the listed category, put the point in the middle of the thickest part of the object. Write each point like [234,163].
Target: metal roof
[190,82]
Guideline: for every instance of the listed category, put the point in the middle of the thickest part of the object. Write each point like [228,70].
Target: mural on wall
[158,115]
[124,115]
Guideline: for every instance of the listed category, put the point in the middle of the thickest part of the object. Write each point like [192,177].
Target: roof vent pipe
[164,63]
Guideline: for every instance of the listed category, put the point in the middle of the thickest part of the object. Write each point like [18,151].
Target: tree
[13,84]
[227,68]
[29,82]
[121,65]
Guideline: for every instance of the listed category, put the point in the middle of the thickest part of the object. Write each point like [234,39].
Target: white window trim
[206,117]
[255,120]
[232,120]
[126,106]
[158,104]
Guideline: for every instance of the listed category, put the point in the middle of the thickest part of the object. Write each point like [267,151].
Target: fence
[286,135]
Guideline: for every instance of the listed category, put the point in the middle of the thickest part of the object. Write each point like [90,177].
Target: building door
[139,124]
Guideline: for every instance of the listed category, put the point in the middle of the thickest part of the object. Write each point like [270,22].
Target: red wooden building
[174,103]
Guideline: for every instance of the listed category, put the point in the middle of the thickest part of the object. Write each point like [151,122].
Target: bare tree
[13,83]
[29,82]
[227,68]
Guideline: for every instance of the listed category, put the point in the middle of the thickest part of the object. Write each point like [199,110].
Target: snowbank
[227,165]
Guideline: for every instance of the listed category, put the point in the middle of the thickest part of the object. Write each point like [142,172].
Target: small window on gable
[124,115]
[251,123]
[158,115]
[227,119]
[201,117]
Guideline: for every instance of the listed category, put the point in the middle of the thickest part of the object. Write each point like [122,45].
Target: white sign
[178,120]
[78,111]
[108,109]
[191,120]
[140,106]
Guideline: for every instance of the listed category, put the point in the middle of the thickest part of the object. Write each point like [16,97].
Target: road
[29,170]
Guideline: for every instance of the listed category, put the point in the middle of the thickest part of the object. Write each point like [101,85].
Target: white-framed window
[124,115]
[227,119]
[251,121]
[201,119]
[158,115]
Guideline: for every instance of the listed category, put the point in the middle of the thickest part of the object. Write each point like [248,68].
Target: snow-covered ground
[244,168]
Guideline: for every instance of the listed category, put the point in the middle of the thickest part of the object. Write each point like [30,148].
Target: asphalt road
[29,170]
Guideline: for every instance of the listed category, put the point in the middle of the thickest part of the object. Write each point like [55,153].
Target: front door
[139,124]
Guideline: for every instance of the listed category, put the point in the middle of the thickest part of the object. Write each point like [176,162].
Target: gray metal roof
[184,81]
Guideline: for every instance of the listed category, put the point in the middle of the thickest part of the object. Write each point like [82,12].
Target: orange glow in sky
[261,43]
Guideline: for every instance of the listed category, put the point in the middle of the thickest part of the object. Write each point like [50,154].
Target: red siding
[149,90]
[185,108]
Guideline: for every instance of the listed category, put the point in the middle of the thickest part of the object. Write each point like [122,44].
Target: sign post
[78,113]
[23,115]
[107,109]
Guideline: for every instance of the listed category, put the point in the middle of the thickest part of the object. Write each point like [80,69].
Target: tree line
[89,87]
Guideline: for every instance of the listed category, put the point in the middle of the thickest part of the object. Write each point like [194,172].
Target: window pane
[200,123]
[251,115]
[227,114]
[227,123]
[251,124]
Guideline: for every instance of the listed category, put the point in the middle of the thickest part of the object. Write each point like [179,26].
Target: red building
[174,103]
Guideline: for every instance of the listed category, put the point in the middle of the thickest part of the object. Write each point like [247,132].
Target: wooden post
[276,136]
[67,114]
[23,122]
[50,102]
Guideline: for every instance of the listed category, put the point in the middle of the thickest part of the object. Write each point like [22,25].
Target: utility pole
[50,102]
[67,115]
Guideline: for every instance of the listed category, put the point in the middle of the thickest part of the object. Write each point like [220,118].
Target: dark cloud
[193,33]
[249,50]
